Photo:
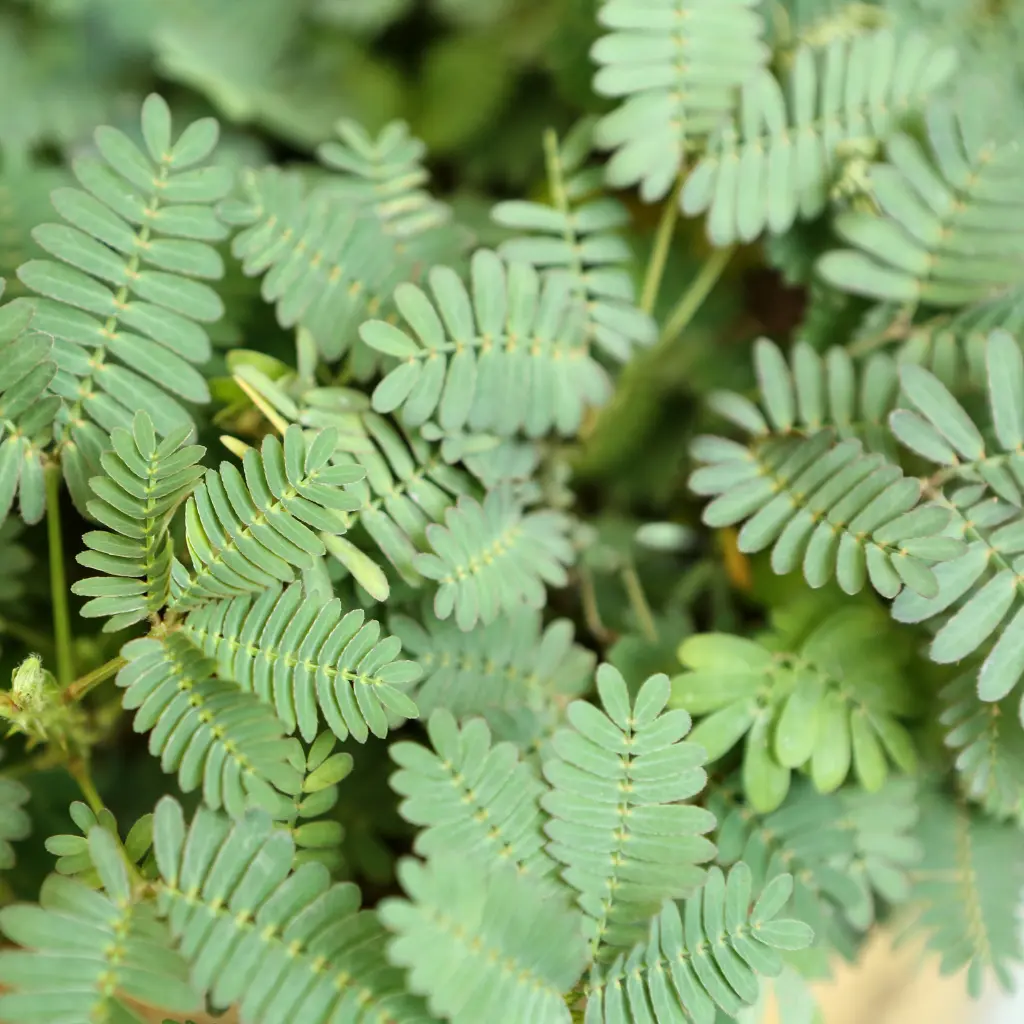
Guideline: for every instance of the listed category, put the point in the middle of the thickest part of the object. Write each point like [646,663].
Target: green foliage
[968,867]
[549,606]
[529,951]
[709,957]
[143,483]
[847,853]
[940,231]
[618,825]
[776,160]
[678,65]
[298,653]
[831,705]
[576,235]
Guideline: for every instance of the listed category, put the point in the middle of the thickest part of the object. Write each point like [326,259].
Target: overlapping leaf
[509,354]
[967,889]
[827,509]
[299,654]
[279,944]
[26,370]
[511,663]
[676,64]
[407,486]
[471,798]
[384,176]
[705,959]
[492,558]
[774,162]
[331,256]
[978,596]
[250,530]
[989,742]
[217,737]
[833,705]
[128,300]
[618,822]
[845,852]
[82,950]
[946,229]
[575,235]
[484,943]
[809,394]
[145,480]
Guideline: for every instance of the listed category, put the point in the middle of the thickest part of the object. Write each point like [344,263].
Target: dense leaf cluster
[518,632]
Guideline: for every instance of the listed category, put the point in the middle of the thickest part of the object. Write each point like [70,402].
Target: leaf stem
[659,253]
[58,578]
[638,602]
[78,769]
[80,687]
[693,298]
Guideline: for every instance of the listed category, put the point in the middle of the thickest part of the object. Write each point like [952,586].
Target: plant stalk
[80,687]
[659,253]
[693,298]
[638,602]
[78,769]
[58,579]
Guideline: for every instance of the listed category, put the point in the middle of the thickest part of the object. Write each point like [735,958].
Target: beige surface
[892,987]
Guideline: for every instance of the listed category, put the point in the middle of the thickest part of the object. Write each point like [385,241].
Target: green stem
[693,298]
[58,578]
[591,611]
[638,602]
[659,253]
[79,771]
[80,687]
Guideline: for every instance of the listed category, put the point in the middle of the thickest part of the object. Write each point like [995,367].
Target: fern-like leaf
[26,370]
[81,950]
[141,223]
[484,944]
[145,481]
[407,486]
[709,956]
[471,798]
[677,63]
[491,558]
[842,850]
[829,509]
[775,162]
[74,854]
[214,735]
[249,532]
[967,890]
[282,945]
[332,256]
[298,653]
[832,705]
[810,393]
[511,335]
[618,779]
[511,663]
[945,232]
[989,741]
[575,235]
[978,595]
[383,176]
